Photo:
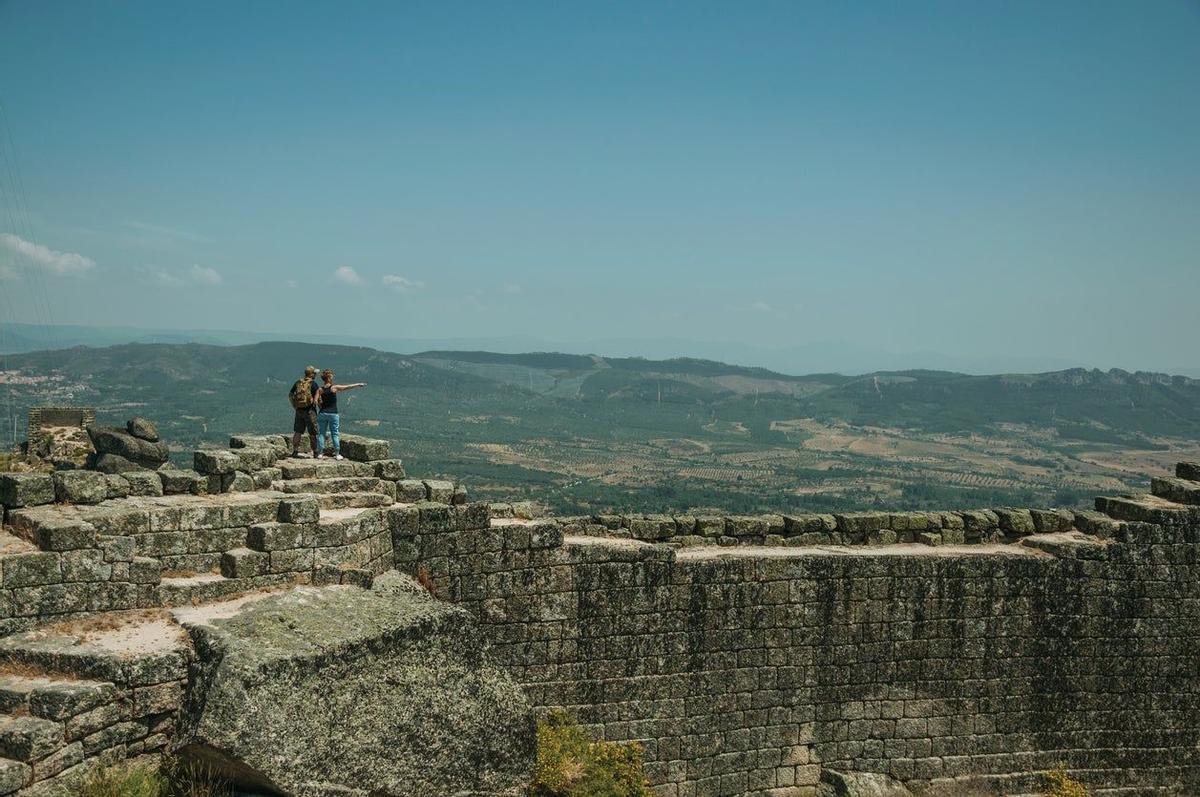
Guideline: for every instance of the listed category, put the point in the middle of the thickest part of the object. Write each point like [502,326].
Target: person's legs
[323,430]
[333,428]
[311,422]
[298,427]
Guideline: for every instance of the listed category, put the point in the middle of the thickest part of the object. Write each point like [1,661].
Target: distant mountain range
[828,356]
[1125,403]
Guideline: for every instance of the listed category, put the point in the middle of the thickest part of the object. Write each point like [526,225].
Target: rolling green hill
[589,432]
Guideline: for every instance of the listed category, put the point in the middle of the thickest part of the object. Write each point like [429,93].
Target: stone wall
[746,670]
[42,417]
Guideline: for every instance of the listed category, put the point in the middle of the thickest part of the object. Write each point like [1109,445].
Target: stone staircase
[74,694]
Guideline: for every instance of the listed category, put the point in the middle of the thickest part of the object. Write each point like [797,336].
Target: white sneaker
[338,456]
[319,456]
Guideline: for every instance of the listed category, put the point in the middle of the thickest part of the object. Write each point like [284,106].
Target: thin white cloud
[203,275]
[402,284]
[347,275]
[512,289]
[60,263]
[167,232]
[291,284]
[195,276]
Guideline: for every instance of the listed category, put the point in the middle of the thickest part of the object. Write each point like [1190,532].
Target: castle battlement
[950,651]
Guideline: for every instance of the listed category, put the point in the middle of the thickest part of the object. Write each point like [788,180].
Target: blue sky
[968,179]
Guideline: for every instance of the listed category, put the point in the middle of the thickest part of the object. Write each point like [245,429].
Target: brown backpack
[301,395]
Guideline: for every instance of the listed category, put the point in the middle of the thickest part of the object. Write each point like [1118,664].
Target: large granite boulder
[110,440]
[859,784]
[355,692]
[142,429]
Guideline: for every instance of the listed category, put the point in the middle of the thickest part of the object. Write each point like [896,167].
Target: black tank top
[328,400]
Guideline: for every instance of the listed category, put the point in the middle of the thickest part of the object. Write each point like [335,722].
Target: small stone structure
[58,434]
[775,656]
[43,417]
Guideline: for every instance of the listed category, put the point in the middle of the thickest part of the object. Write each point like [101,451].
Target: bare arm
[336,388]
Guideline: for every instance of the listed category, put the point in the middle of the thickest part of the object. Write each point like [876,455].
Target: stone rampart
[952,667]
[958,652]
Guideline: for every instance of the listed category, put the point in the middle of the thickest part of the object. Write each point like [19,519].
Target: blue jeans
[328,422]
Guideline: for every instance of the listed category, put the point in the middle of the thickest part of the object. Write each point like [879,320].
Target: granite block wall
[745,670]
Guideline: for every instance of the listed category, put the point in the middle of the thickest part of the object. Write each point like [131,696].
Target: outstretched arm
[350,387]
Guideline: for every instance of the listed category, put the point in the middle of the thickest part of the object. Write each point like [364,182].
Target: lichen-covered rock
[120,442]
[80,486]
[215,461]
[178,482]
[26,489]
[143,482]
[859,784]
[345,690]
[114,463]
[142,429]
[365,449]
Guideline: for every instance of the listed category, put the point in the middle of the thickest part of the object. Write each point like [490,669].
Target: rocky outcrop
[859,784]
[118,442]
[142,429]
[341,690]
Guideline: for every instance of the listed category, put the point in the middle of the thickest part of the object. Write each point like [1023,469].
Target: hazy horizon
[854,187]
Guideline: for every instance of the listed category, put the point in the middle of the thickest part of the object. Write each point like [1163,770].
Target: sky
[972,182]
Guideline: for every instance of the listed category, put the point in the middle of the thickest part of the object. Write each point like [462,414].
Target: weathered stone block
[1015,521]
[117,549]
[117,486]
[143,482]
[181,482]
[26,489]
[215,461]
[391,469]
[1048,521]
[364,449]
[746,526]
[410,491]
[978,520]
[439,490]
[60,700]
[279,536]
[244,563]
[64,534]
[861,522]
[299,509]
[85,565]
[31,569]
[13,775]
[29,738]
[291,561]
[145,570]
[403,520]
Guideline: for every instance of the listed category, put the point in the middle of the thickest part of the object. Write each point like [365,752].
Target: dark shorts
[306,421]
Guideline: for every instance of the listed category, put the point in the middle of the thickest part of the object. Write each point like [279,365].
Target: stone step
[336,484]
[1188,470]
[13,775]
[354,500]
[50,697]
[1147,509]
[1181,491]
[30,738]
[323,468]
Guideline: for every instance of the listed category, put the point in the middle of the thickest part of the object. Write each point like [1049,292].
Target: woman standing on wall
[327,414]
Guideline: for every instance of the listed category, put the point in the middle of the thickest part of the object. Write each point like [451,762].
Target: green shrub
[124,781]
[569,764]
[1060,784]
[172,777]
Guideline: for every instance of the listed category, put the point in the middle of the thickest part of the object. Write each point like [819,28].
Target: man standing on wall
[303,397]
